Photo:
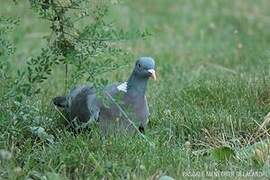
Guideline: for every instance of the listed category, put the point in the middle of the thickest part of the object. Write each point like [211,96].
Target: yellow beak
[153,73]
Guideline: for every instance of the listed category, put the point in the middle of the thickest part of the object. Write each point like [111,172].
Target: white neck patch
[122,87]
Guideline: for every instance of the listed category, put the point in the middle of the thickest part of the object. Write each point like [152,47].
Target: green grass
[213,89]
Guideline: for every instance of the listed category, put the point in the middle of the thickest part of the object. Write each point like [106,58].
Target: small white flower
[240,46]
[5,155]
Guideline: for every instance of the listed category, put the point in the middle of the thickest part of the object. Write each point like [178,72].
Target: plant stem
[66,77]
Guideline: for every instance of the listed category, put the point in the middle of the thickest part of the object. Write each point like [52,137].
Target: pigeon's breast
[138,107]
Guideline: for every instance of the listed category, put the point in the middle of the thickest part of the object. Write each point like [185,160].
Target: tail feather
[60,101]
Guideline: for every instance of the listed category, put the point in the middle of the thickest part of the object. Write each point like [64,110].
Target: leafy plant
[6,25]
[6,47]
[90,49]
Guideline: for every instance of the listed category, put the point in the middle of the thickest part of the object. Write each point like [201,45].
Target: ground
[212,61]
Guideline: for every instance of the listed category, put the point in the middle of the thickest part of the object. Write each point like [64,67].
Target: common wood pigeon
[118,109]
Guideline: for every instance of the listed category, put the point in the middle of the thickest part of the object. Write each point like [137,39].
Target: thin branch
[61,114]
[66,76]
[218,66]
[59,7]
[97,39]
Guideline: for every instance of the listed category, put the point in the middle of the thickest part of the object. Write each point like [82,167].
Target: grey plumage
[82,106]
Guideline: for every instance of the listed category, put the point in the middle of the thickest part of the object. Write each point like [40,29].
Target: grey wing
[93,106]
[83,105]
[112,89]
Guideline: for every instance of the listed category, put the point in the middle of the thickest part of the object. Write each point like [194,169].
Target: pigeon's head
[145,68]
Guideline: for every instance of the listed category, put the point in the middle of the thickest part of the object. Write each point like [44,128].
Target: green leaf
[53,176]
[223,153]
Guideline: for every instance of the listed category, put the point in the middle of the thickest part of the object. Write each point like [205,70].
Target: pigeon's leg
[141,129]
[79,126]
[87,124]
